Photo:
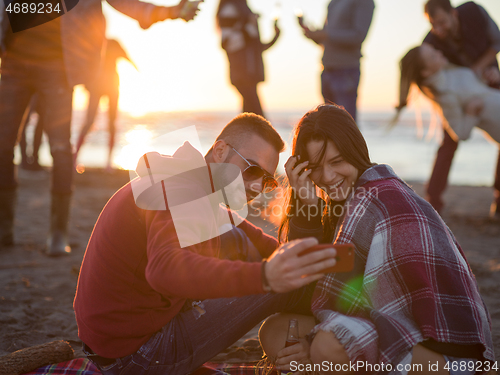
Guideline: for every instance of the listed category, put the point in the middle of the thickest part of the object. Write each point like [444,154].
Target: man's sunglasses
[254,172]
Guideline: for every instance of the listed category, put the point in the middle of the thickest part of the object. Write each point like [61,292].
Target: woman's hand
[474,107]
[298,177]
[298,353]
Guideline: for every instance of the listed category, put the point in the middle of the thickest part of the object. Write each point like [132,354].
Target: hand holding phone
[344,257]
[285,271]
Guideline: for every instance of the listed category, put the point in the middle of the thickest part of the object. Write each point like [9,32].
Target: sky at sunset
[182,67]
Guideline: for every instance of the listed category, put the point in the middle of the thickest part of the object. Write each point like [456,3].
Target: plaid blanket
[82,366]
[77,366]
[228,369]
[411,281]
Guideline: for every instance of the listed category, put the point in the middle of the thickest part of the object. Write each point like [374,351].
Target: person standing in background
[48,60]
[467,36]
[345,30]
[241,41]
[107,83]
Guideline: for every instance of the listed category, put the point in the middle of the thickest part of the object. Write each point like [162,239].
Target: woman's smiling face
[332,174]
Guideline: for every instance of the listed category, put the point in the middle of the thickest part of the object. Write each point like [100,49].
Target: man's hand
[474,107]
[317,36]
[298,353]
[286,271]
[186,10]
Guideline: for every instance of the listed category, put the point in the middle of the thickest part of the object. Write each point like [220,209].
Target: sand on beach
[36,292]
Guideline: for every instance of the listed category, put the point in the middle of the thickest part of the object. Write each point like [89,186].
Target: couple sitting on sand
[146,305]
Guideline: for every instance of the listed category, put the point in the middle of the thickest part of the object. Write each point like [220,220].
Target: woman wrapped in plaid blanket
[411,301]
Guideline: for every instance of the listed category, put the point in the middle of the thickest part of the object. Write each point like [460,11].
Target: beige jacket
[454,87]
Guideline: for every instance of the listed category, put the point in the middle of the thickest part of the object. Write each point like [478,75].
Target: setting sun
[138,143]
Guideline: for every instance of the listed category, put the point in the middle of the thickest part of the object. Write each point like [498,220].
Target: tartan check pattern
[77,366]
[82,366]
[411,280]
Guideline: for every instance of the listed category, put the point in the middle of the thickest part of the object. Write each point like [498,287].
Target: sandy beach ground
[36,292]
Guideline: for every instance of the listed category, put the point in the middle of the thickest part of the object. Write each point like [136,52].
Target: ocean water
[407,149]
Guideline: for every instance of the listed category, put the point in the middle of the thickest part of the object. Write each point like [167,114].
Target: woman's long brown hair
[324,123]
[411,67]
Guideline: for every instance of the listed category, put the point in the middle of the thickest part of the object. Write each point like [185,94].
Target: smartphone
[345,256]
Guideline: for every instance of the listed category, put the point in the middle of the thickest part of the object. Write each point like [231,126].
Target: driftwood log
[29,359]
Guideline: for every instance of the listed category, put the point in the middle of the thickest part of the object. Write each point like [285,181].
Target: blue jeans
[340,86]
[20,80]
[205,328]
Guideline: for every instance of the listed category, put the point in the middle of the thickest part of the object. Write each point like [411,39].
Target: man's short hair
[431,7]
[237,131]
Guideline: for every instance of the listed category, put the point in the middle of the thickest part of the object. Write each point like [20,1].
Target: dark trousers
[20,80]
[439,177]
[340,86]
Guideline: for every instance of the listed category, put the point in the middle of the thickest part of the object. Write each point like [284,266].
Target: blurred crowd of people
[41,65]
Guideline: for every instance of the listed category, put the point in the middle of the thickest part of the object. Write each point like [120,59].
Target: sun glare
[138,143]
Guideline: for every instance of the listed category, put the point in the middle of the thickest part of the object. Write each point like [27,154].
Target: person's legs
[15,94]
[251,101]
[439,177]
[326,347]
[112,112]
[37,136]
[205,328]
[273,332]
[200,332]
[30,162]
[93,105]
[23,144]
[55,97]
[340,86]
[423,356]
